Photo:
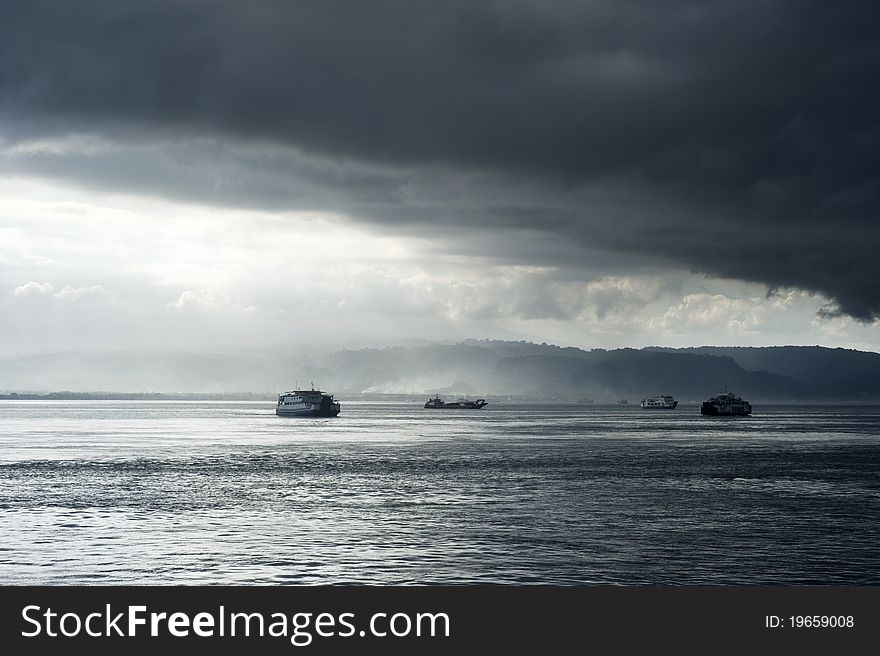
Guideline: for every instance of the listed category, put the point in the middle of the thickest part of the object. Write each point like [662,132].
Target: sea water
[127,492]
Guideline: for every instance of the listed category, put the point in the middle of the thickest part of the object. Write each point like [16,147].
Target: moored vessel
[436,403]
[662,402]
[726,404]
[306,403]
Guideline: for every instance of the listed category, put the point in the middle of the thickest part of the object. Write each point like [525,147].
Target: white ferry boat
[726,404]
[663,402]
[306,403]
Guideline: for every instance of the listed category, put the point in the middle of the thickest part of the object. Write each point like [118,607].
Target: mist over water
[204,492]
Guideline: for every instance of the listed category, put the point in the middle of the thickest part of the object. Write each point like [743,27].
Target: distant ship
[622,401]
[726,404]
[438,403]
[664,402]
[306,403]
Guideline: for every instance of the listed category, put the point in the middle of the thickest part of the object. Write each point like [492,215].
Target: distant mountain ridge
[809,363]
[486,367]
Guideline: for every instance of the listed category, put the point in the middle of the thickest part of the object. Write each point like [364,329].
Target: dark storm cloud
[736,138]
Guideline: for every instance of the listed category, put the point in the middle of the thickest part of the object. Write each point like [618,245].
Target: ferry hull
[713,411]
[452,407]
[307,412]
[456,405]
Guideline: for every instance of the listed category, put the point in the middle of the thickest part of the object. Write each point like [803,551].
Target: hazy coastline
[517,371]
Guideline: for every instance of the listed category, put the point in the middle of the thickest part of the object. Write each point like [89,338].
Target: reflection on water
[164,492]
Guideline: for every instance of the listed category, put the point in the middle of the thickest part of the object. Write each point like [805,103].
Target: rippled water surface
[182,492]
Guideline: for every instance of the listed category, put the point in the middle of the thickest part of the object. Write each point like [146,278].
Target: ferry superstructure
[306,403]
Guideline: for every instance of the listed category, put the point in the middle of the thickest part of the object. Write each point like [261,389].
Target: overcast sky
[212,174]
